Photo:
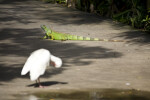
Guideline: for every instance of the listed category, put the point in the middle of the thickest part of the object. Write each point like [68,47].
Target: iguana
[52,35]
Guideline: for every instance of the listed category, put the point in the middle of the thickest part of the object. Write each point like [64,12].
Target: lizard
[53,35]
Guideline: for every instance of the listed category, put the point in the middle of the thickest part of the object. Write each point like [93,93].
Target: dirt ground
[86,64]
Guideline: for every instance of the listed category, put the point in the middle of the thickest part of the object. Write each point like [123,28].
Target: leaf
[143,20]
[122,13]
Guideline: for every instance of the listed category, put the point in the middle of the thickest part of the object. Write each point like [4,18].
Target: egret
[37,63]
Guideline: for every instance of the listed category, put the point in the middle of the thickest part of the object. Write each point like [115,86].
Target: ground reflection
[92,94]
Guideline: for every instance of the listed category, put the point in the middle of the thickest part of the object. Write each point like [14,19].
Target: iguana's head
[46,30]
[44,27]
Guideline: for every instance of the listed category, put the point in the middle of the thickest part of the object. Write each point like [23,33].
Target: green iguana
[52,35]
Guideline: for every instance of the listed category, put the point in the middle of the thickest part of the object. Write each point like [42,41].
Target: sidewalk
[87,64]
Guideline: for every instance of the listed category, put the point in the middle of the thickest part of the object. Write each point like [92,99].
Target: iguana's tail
[91,39]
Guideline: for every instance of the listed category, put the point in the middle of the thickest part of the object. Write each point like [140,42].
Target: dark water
[103,94]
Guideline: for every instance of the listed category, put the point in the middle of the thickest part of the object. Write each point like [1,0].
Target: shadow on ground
[25,13]
[20,42]
[47,83]
[9,1]
[24,41]
[136,37]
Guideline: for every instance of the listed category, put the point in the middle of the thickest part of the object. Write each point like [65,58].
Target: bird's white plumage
[38,61]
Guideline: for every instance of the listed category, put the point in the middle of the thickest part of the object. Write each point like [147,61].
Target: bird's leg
[38,82]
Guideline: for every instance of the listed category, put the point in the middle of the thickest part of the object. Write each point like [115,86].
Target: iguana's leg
[52,37]
[45,37]
[63,40]
[64,37]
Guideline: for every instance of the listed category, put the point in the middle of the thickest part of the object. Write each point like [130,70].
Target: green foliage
[61,1]
[48,1]
[78,4]
[133,15]
[103,8]
[146,21]
[54,1]
[131,12]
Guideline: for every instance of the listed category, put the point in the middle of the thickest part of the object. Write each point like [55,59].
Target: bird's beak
[52,63]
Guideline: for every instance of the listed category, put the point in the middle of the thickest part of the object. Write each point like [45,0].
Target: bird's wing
[29,63]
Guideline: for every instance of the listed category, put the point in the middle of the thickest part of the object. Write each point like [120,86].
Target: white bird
[37,63]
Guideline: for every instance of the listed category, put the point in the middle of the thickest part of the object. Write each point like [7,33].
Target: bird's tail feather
[25,69]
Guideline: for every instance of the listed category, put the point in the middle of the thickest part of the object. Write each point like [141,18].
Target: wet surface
[103,94]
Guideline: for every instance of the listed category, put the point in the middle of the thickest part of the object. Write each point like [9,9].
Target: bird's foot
[40,86]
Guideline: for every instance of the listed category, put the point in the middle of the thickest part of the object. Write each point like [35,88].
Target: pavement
[86,64]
